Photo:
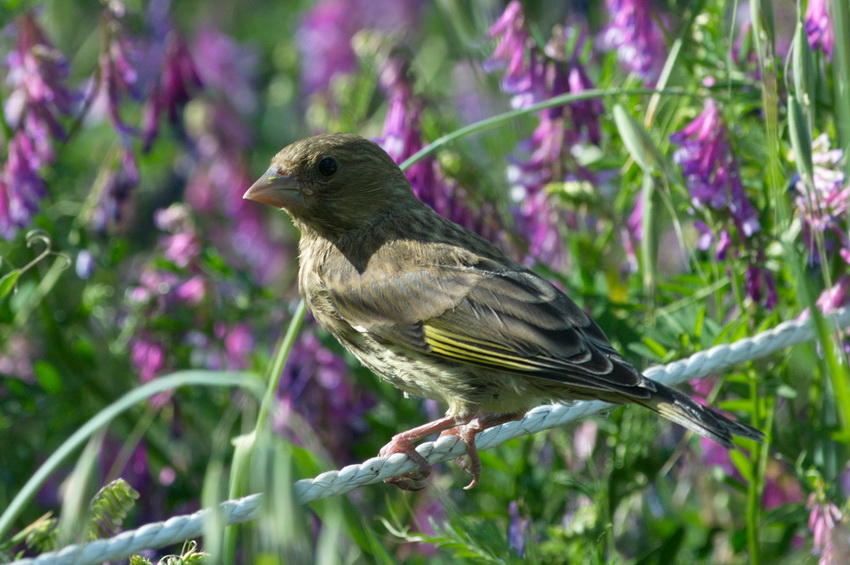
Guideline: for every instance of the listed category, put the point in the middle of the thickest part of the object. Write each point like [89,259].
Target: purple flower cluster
[175,85]
[325,34]
[518,530]
[831,539]
[118,77]
[818,24]
[220,137]
[824,206]
[176,292]
[531,75]
[316,385]
[712,177]
[33,110]
[402,137]
[636,36]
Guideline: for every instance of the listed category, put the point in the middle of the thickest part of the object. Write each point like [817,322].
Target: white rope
[332,483]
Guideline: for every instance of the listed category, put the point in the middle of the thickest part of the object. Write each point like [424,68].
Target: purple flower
[176,84]
[710,169]
[325,34]
[402,137]
[37,72]
[823,207]
[760,283]
[33,110]
[117,66]
[518,529]
[819,26]
[148,356]
[229,67]
[21,187]
[712,177]
[317,385]
[830,538]
[532,75]
[119,183]
[516,53]
[238,345]
[182,246]
[637,38]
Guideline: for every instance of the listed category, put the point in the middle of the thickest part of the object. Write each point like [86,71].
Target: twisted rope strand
[332,483]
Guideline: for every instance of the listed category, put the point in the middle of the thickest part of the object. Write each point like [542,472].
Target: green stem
[276,368]
[499,119]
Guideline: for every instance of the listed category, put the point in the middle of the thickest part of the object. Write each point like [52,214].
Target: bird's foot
[411,480]
[471,463]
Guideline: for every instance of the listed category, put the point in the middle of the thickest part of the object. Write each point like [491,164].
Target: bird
[441,313]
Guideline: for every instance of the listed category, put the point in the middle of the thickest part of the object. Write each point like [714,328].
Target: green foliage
[160,331]
[109,509]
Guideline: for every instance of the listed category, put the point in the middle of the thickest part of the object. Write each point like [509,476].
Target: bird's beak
[276,188]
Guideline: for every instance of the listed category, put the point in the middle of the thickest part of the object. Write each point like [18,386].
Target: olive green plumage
[440,312]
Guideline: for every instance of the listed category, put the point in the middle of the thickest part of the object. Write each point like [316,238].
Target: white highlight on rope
[332,483]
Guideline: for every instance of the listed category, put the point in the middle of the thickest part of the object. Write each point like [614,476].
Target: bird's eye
[328,166]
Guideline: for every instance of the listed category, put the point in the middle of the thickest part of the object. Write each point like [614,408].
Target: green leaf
[801,141]
[48,377]
[109,509]
[7,282]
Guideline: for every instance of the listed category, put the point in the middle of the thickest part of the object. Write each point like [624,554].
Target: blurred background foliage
[692,192]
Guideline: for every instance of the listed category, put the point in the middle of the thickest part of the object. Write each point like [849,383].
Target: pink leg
[467,433]
[404,443]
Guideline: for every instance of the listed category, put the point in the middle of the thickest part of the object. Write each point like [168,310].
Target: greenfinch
[440,312]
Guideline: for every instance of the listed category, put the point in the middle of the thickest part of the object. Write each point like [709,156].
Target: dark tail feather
[681,409]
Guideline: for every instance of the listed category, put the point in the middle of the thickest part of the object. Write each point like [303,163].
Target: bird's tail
[681,409]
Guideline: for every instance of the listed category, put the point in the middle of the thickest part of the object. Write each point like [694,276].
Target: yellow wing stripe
[451,345]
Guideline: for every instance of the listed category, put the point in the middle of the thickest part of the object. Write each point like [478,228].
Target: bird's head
[333,183]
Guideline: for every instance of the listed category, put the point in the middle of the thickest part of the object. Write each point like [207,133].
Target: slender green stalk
[276,367]
[500,119]
[251,450]
[841,72]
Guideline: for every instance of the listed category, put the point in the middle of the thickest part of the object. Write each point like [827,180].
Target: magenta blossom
[34,109]
[634,33]
[818,24]
[176,84]
[711,173]
[402,137]
[533,74]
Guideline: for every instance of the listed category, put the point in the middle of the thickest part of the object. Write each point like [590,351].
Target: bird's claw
[471,463]
[409,481]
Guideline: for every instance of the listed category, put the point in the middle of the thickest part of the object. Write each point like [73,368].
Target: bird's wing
[486,313]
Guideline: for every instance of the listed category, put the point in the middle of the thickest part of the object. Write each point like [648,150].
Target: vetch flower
[713,180]
[818,24]
[633,32]
[117,70]
[830,537]
[33,110]
[518,529]
[177,83]
[823,207]
[402,137]
[317,385]
[533,74]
